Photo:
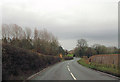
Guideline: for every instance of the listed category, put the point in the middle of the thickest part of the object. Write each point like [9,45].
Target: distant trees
[101,49]
[42,41]
[82,43]
[82,49]
[28,33]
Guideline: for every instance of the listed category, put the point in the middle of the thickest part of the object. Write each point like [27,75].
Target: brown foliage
[108,59]
[20,63]
[68,58]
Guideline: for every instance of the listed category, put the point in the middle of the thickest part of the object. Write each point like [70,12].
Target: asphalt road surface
[71,70]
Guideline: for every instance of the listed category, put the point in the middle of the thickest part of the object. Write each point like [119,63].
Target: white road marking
[68,69]
[73,76]
[71,73]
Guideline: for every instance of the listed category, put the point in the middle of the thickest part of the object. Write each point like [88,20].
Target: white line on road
[73,76]
[71,73]
[68,69]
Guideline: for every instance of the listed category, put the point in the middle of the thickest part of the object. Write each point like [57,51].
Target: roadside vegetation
[83,49]
[70,55]
[98,57]
[18,63]
[25,52]
[68,58]
[40,41]
[100,67]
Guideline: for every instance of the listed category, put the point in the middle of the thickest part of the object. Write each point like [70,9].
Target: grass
[104,68]
[70,55]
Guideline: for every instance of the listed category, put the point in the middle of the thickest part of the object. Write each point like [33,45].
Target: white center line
[68,69]
[73,76]
[71,73]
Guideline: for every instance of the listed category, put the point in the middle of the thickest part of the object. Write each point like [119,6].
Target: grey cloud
[68,20]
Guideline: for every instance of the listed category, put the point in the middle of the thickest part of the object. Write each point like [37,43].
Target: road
[71,70]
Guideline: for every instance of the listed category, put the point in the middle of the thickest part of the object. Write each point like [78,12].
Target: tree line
[82,49]
[40,41]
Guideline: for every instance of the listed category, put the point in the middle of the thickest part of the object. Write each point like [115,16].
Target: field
[101,67]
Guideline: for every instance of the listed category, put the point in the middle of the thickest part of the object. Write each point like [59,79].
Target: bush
[68,58]
[18,64]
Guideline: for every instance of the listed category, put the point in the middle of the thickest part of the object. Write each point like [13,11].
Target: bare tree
[5,31]
[44,42]
[35,34]
[28,32]
[82,43]
[44,35]
[16,31]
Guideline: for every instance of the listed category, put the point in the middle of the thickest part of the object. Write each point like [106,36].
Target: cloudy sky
[69,20]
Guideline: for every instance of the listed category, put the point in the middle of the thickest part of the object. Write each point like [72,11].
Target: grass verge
[70,55]
[99,67]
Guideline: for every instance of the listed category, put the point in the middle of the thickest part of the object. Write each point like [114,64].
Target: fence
[112,59]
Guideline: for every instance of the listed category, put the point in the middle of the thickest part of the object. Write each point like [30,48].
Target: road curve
[71,70]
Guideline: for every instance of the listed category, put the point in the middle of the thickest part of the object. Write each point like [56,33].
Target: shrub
[20,63]
[68,58]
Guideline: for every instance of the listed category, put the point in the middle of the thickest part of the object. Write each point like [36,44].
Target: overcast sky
[69,20]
